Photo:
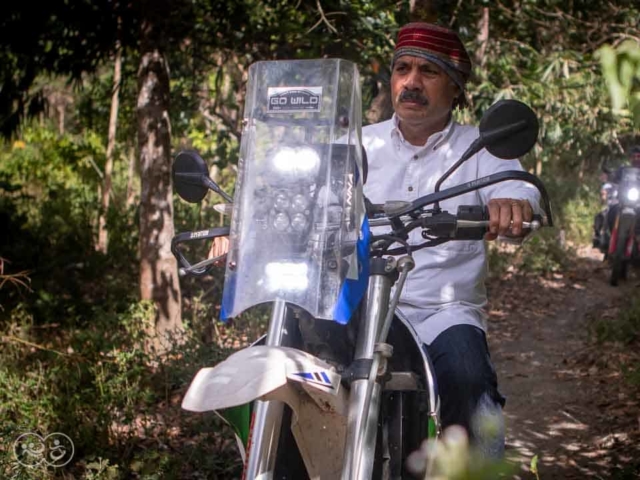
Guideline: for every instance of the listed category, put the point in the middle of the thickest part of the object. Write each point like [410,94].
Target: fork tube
[265,432]
[360,414]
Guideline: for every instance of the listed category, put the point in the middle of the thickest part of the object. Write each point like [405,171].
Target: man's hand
[504,211]
[219,247]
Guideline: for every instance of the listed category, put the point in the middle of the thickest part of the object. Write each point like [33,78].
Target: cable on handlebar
[431,243]
[391,239]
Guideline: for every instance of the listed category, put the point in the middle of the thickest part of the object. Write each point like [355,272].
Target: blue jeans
[468,387]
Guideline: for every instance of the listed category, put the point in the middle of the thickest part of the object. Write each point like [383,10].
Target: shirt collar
[434,140]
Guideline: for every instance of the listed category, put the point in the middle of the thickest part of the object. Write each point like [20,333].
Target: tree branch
[324,19]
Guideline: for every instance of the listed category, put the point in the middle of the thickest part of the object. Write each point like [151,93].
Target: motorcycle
[325,393]
[623,229]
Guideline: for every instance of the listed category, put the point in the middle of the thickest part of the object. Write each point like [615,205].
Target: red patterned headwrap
[439,45]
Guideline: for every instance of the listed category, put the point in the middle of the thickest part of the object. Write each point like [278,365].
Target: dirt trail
[566,403]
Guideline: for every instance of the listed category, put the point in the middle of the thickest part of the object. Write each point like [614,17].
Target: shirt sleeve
[515,189]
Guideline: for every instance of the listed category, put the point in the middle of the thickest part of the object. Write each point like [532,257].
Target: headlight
[299,203]
[633,194]
[299,222]
[281,201]
[286,276]
[290,212]
[303,161]
[281,222]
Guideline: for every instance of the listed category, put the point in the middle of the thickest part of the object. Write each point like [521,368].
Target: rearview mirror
[189,171]
[191,178]
[509,129]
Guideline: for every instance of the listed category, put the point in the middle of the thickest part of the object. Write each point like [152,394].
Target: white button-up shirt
[446,287]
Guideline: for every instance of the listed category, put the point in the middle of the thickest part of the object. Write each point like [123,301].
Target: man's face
[421,91]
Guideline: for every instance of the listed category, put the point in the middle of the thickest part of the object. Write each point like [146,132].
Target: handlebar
[471,222]
[201,268]
[418,205]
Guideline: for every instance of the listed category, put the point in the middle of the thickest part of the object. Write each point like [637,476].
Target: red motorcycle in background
[624,229]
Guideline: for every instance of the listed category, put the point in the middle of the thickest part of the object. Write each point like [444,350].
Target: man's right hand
[220,246]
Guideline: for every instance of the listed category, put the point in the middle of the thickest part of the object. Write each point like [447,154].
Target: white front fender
[255,372]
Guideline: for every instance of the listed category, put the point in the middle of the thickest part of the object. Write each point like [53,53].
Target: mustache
[413,96]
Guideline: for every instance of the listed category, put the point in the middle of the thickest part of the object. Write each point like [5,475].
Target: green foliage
[49,210]
[451,457]
[534,466]
[621,69]
[112,398]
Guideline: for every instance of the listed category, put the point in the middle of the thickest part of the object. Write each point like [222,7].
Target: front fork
[264,433]
[371,353]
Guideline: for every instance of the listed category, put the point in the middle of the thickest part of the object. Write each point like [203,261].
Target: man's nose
[411,81]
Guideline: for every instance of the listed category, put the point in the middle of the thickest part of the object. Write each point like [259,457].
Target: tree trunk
[131,191]
[538,165]
[158,268]
[483,37]
[111,143]
[61,109]
[381,106]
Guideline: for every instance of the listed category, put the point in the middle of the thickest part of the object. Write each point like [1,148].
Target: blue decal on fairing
[228,299]
[353,290]
[320,378]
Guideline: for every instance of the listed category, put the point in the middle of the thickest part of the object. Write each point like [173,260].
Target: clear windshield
[298,230]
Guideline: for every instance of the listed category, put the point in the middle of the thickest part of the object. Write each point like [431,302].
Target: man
[445,294]
[608,197]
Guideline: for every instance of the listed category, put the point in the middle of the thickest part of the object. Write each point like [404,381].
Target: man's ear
[457,94]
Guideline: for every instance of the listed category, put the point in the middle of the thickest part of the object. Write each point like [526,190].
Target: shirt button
[411,189]
[415,157]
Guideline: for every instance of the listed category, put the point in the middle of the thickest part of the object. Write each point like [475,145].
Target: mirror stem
[474,148]
[213,186]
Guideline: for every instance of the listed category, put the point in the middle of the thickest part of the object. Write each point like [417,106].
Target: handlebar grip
[191,236]
[476,218]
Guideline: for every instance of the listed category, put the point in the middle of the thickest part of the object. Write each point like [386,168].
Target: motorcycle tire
[618,264]
[616,272]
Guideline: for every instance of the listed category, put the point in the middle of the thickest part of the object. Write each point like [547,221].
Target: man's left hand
[506,216]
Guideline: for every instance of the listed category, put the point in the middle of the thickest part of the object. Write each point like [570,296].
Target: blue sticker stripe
[353,290]
[325,377]
[228,297]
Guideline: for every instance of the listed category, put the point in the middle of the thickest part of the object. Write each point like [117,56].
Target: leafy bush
[118,403]
[72,357]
